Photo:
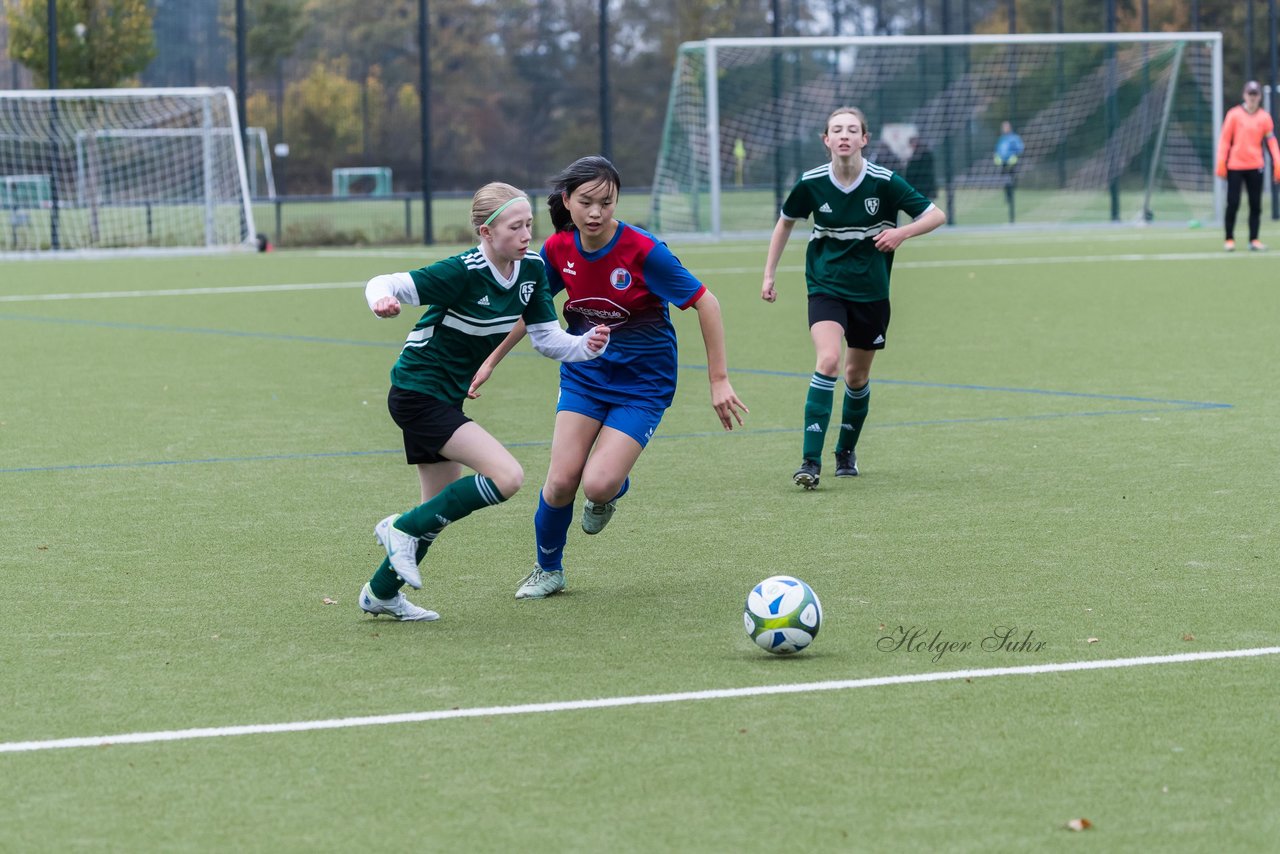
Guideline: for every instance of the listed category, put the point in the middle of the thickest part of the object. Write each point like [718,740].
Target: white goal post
[1116,127]
[110,170]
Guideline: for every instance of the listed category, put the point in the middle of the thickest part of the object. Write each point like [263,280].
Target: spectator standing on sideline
[1009,148]
[1244,130]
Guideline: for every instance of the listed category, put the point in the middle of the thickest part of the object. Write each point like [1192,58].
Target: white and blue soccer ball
[783,614]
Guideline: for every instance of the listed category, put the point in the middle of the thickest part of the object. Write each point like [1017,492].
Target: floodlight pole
[55,241]
[424,118]
[606,130]
[242,84]
[777,121]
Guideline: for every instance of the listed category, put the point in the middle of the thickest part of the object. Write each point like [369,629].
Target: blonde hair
[490,199]
[866,129]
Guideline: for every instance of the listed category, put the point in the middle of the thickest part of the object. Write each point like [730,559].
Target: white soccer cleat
[596,516]
[398,608]
[402,550]
[541,583]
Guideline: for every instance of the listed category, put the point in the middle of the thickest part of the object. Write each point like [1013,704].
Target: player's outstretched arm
[554,343]
[777,243]
[723,399]
[387,292]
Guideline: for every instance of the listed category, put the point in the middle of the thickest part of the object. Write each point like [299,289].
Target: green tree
[323,114]
[101,43]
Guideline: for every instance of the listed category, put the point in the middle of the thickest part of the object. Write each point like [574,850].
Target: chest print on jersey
[873,205]
[620,278]
[526,291]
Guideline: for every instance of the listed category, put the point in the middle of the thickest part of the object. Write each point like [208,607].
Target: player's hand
[728,407]
[597,338]
[767,293]
[387,307]
[1221,171]
[482,373]
[889,239]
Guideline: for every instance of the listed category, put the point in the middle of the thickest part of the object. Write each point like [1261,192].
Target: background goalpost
[122,170]
[1117,127]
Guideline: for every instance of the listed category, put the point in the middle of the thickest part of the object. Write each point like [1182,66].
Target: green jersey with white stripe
[470,309]
[842,260]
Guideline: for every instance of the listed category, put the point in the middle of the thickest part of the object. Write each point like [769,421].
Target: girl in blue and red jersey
[622,276]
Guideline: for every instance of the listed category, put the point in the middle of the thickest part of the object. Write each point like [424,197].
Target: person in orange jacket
[1244,130]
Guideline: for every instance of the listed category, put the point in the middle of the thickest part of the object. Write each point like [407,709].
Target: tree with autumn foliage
[101,43]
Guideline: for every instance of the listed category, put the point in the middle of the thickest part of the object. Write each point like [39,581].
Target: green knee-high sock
[817,414]
[457,500]
[385,584]
[857,402]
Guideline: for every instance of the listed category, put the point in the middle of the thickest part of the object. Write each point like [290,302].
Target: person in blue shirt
[622,276]
[1008,148]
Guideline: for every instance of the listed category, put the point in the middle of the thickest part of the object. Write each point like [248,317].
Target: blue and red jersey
[626,285]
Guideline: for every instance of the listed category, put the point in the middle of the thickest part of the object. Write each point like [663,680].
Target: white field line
[181,292]
[613,702]
[967,264]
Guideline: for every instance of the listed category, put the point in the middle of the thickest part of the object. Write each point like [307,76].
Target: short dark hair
[584,170]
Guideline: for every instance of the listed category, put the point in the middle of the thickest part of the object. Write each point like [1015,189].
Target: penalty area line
[640,700]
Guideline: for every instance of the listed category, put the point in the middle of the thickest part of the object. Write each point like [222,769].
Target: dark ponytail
[584,170]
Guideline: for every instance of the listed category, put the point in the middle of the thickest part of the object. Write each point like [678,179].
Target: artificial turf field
[1072,440]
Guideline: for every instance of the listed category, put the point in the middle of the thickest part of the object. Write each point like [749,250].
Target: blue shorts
[638,422]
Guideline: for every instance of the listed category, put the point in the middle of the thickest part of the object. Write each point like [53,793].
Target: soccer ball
[782,615]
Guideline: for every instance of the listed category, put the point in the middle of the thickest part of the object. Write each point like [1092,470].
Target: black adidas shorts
[865,324]
[427,423]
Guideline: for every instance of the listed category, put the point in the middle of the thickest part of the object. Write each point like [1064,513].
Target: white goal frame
[219,195]
[710,75]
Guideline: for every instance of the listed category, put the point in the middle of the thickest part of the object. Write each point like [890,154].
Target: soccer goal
[1116,128]
[122,169]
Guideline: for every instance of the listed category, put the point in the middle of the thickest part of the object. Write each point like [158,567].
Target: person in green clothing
[473,300]
[854,204]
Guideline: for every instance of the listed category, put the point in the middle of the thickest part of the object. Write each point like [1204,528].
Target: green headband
[502,207]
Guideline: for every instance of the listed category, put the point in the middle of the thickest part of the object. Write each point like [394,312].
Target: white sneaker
[402,550]
[398,608]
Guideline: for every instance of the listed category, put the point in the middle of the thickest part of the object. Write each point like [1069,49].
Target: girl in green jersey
[472,301]
[854,204]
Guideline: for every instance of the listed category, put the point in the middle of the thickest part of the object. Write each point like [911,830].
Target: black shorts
[865,324]
[428,423]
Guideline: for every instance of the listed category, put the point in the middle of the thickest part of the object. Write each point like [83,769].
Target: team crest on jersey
[873,205]
[620,278]
[526,291]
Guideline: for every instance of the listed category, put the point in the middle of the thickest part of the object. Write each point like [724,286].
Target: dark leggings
[1252,180]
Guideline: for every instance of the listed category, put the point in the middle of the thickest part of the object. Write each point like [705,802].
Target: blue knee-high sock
[551,530]
[626,485]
